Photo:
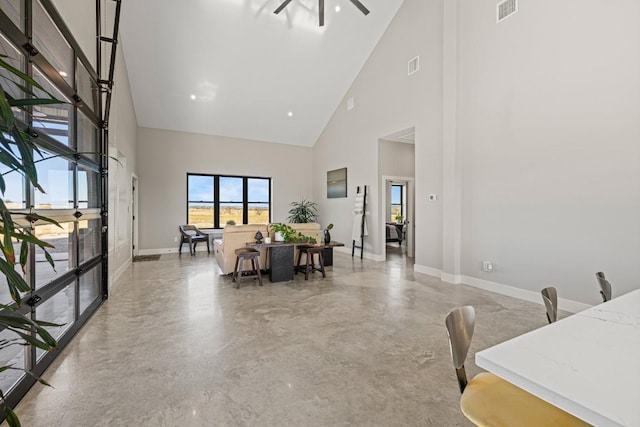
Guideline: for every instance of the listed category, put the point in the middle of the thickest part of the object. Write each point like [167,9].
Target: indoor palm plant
[19,154]
[303,211]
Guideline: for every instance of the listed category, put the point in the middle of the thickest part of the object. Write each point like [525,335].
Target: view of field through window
[231,202]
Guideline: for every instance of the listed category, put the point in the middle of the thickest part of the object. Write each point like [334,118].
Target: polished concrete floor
[177,345]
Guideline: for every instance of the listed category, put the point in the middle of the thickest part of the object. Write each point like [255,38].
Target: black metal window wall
[73,139]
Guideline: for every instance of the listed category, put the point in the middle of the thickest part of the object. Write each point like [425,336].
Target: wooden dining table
[587,364]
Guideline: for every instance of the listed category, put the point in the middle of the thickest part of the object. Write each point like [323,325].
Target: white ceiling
[247,67]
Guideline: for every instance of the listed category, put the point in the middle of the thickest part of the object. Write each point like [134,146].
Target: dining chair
[488,400]
[550,299]
[605,286]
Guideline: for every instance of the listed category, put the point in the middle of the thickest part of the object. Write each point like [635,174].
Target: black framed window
[213,200]
[397,203]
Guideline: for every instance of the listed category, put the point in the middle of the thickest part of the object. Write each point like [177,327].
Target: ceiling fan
[356,3]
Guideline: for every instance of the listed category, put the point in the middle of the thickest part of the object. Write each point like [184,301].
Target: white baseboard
[116,274]
[367,255]
[499,288]
[451,278]
[162,251]
[523,294]
[430,271]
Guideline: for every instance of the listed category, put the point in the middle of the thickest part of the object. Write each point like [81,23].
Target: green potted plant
[289,234]
[19,154]
[399,219]
[303,211]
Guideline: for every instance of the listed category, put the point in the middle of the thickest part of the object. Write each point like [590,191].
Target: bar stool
[550,299]
[488,400]
[310,266]
[246,254]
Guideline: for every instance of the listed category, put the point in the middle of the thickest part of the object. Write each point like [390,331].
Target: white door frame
[410,231]
[133,216]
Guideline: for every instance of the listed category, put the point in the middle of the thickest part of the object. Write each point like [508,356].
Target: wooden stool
[245,254]
[310,265]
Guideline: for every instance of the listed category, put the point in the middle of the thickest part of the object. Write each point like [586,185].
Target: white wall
[550,129]
[167,156]
[526,130]
[387,100]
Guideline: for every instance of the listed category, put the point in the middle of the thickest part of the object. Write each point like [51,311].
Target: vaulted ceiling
[234,68]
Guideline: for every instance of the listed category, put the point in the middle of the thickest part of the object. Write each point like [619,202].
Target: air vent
[506,9]
[414,65]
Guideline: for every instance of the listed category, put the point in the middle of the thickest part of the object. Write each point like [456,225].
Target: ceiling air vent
[414,65]
[506,9]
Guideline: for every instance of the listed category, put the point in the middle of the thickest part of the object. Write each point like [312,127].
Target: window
[396,201]
[212,200]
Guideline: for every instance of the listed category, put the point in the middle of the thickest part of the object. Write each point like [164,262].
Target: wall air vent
[506,9]
[414,65]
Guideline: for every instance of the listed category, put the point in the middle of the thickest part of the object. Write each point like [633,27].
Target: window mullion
[245,200]
[216,201]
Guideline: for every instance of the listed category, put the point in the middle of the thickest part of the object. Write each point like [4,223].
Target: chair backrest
[550,298]
[460,324]
[605,286]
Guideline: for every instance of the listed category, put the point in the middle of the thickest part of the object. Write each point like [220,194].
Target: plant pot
[327,236]
[278,237]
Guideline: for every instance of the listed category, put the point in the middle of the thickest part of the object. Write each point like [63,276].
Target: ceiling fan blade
[321,12]
[282,6]
[360,6]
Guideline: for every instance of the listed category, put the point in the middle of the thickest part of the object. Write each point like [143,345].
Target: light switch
[433,197]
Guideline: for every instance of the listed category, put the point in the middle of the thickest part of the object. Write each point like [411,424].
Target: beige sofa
[237,236]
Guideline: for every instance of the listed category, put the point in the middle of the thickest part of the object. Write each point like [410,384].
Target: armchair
[192,235]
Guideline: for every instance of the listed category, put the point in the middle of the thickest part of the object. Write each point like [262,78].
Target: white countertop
[587,364]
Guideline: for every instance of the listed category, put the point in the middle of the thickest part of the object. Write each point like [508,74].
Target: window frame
[401,204]
[216,202]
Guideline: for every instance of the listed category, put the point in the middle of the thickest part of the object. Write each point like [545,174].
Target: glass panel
[231,196]
[15,59]
[5,295]
[201,215]
[396,194]
[87,87]
[54,120]
[230,212]
[89,240]
[56,177]
[58,309]
[51,44]
[11,355]
[88,187]
[89,287]
[200,188]
[13,9]
[259,213]
[258,190]
[395,211]
[62,241]
[15,193]
[87,137]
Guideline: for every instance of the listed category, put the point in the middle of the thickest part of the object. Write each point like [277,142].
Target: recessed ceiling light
[192,97]
[337,8]
[63,73]
[290,114]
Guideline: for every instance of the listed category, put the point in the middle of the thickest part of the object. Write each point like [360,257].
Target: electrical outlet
[487,266]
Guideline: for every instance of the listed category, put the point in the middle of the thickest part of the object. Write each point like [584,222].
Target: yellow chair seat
[489,400]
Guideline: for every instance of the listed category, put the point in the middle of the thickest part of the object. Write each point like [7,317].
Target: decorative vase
[327,237]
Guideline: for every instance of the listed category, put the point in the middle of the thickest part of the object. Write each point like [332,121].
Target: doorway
[398,200]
